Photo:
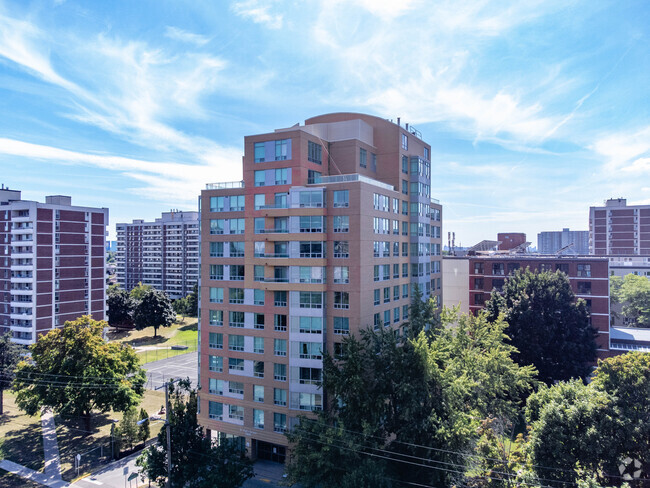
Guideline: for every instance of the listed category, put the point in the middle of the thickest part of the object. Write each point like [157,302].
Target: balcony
[272,231]
[225,185]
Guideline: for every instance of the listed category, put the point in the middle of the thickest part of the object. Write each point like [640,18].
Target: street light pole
[169,438]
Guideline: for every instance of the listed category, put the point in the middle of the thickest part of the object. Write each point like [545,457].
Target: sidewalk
[30,474]
[50,446]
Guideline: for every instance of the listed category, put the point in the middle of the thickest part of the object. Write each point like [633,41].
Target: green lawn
[20,439]
[182,333]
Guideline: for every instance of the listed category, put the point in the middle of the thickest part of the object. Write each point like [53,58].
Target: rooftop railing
[224,185]
[355,177]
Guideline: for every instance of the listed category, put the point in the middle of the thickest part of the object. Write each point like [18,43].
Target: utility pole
[168,431]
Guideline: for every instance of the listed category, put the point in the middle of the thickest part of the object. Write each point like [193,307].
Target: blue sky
[535,110]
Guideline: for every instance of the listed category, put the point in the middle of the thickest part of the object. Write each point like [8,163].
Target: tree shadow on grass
[147,341]
[21,442]
[193,326]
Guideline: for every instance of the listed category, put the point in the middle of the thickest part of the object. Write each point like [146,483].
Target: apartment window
[280,298]
[512,267]
[405,228]
[341,325]
[386,317]
[387,294]
[310,325]
[215,340]
[478,284]
[258,273]
[376,272]
[308,401]
[282,176]
[313,223]
[311,199]
[259,225]
[377,296]
[258,321]
[396,270]
[584,271]
[313,177]
[235,319]
[280,347]
[341,274]
[405,270]
[237,226]
[426,153]
[377,320]
[341,223]
[563,267]
[216,295]
[236,295]
[260,178]
[258,297]
[405,142]
[405,165]
[258,418]
[260,152]
[237,203]
[310,376]
[215,410]
[236,249]
[498,269]
[396,314]
[386,271]
[314,152]
[310,350]
[258,345]
[236,387]
[363,158]
[396,292]
[279,422]
[311,274]
[237,272]
[258,369]
[373,161]
[280,200]
[341,299]
[280,397]
[584,288]
[311,299]
[497,284]
[405,311]
[479,299]
[258,393]
[341,249]
[405,187]
[216,249]
[280,323]
[405,291]
[215,363]
[260,201]
[216,317]
[478,268]
[280,372]
[236,412]
[281,149]
[217,204]
[235,364]
[235,342]
[312,249]
[217,226]
[395,249]
[341,199]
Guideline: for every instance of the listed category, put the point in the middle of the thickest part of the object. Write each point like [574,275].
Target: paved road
[182,366]
[113,475]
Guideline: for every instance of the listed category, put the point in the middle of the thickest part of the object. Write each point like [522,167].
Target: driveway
[182,366]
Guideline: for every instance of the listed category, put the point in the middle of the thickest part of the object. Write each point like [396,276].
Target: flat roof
[629,334]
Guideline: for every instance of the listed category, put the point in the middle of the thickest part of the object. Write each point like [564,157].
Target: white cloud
[184,36]
[258,13]
[626,151]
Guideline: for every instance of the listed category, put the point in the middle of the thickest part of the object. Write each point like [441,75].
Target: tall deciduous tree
[120,307]
[9,357]
[408,398]
[196,461]
[154,310]
[633,293]
[549,328]
[193,301]
[74,371]
[139,291]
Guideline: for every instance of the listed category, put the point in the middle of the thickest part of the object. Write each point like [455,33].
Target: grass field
[149,348]
[20,436]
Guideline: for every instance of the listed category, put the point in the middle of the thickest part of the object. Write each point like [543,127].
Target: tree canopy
[120,307]
[549,328]
[405,399]
[196,461]
[633,293]
[74,371]
[9,357]
[193,301]
[154,310]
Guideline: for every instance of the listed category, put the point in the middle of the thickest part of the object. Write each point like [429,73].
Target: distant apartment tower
[328,233]
[551,242]
[618,229]
[52,264]
[163,254]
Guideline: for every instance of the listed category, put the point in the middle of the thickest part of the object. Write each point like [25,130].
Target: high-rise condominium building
[328,233]
[52,265]
[618,229]
[552,242]
[163,253]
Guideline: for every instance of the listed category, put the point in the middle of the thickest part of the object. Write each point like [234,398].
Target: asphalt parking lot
[182,366]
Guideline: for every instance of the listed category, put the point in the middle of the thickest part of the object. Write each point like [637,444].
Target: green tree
[117,439]
[626,378]
[144,429]
[196,461]
[74,371]
[138,292]
[9,357]
[548,327]
[180,306]
[405,396]
[154,310]
[633,293]
[422,314]
[120,307]
[571,430]
[130,427]
[193,301]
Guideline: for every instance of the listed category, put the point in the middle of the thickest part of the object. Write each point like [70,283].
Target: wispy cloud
[626,151]
[258,13]
[184,36]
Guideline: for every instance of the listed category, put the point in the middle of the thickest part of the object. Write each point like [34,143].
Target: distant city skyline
[534,112]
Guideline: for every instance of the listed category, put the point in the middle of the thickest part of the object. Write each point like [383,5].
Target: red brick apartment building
[52,264]
[328,232]
[589,278]
[618,229]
